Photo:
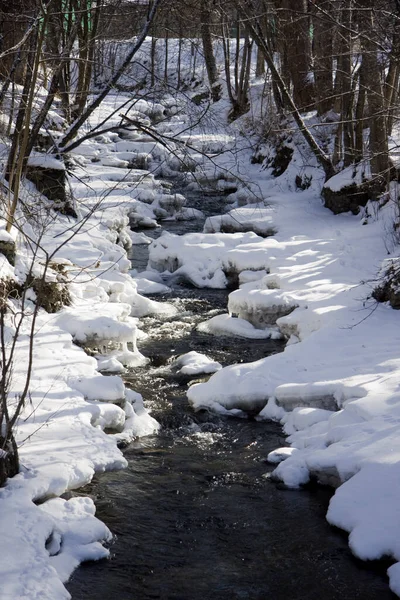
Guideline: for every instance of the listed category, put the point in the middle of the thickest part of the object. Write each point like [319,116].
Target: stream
[195,515]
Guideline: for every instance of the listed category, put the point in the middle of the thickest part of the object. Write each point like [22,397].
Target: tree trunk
[378,141]
[346,91]
[359,117]
[323,25]
[296,33]
[16,18]
[393,76]
[9,460]
[209,57]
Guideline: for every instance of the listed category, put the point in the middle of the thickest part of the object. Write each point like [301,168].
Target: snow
[6,237]
[146,286]
[194,363]
[349,176]
[250,218]
[45,161]
[235,326]
[196,257]
[260,306]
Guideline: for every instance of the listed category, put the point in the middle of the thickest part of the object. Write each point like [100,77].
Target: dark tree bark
[378,140]
[323,19]
[295,30]
[209,57]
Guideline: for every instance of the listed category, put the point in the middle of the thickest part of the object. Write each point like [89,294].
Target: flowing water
[195,515]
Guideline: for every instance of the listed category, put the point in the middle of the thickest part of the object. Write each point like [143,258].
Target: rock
[140,160]
[51,182]
[327,476]
[388,289]
[51,295]
[324,401]
[350,197]
[8,249]
[280,161]
[200,97]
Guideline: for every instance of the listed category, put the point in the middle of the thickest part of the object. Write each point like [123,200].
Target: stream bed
[196,515]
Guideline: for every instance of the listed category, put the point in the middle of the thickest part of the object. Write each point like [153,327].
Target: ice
[140,238]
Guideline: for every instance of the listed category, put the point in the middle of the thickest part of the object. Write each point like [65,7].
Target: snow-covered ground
[335,388]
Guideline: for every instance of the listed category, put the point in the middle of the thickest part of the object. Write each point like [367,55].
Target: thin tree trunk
[178,83]
[346,91]
[260,64]
[359,117]
[153,61]
[323,56]
[378,140]
[209,57]
[166,46]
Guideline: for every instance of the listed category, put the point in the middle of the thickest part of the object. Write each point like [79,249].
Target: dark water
[195,515]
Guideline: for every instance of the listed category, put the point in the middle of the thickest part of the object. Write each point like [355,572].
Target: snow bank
[193,363]
[235,326]
[197,257]
[45,161]
[250,218]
